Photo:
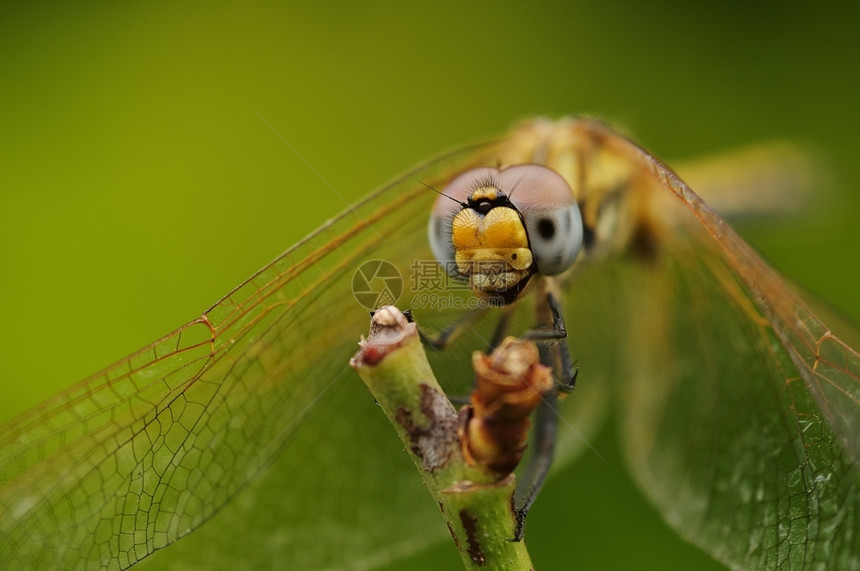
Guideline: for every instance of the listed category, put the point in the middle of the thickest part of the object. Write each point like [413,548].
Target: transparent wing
[739,407]
[149,449]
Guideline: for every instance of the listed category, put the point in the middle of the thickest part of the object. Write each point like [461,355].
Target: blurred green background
[139,183]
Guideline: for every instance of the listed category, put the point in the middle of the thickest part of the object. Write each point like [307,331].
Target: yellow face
[491,249]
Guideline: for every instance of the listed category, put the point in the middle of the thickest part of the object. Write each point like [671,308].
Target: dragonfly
[737,406]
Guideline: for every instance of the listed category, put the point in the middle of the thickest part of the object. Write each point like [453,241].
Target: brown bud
[510,383]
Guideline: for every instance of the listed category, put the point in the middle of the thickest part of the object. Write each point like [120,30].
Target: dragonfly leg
[441,339]
[565,369]
[546,417]
[542,453]
[499,333]
[568,368]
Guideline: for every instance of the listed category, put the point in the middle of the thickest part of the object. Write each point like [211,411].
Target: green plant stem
[476,507]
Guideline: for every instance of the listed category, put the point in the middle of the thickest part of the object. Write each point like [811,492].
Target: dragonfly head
[505,225]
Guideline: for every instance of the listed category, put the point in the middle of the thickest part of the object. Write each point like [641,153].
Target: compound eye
[439,231]
[555,237]
[551,215]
